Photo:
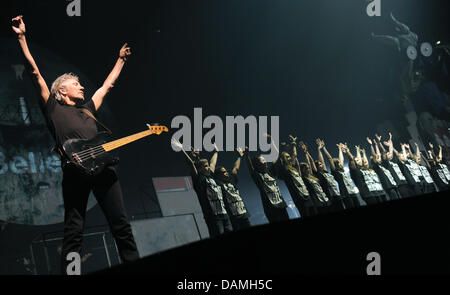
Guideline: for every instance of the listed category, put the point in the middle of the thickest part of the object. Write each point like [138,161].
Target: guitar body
[88,155]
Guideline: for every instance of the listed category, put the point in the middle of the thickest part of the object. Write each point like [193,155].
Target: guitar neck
[109,146]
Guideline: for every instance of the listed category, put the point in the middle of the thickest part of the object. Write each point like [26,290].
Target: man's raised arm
[18,27]
[100,94]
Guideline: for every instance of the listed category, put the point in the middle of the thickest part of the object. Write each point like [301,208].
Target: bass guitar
[93,155]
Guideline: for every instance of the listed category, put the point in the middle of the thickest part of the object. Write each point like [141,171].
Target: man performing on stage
[65,111]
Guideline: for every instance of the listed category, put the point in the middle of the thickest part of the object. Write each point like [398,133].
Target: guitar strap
[87,112]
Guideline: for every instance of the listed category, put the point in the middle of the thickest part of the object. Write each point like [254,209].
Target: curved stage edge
[411,236]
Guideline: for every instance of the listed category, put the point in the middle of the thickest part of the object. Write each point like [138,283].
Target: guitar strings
[88,151]
[86,154]
[95,151]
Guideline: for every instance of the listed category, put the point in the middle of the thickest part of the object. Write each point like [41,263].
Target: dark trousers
[274,214]
[429,188]
[337,203]
[394,194]
[374,199]
[239,223]
[218,225]
[106,188]
[304,206]
[308,211]
[323,209]
[406,190]
[383,198]
[442,186]
[418,189]
[351,201]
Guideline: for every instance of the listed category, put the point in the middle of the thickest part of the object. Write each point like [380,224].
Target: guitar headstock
[158,129]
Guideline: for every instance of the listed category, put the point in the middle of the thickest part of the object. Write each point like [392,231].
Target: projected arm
[404,29]
[427,163]
[100,94]
[312,165]
[404,154]
[401,156]
[364,159]
[39,83]
[293,146]
[320,146]
[439,157]
[390,146]
[377,149]
[195,154]
[432,157]
[293,151]
[330,159]
[309,160]
[380,146]
[398,155]
[351,159]
[358,154]
[418,153]
[190,162]
[432,154]
[251,169]
[237,164]
[213,161]
[267,135]
[372,150]
[341,154]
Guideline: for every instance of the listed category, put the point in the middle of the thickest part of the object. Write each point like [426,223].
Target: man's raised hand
[18,25]
[125,52]
[303,146]
[320,143]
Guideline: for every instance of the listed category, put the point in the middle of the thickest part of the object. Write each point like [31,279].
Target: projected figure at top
[405,41]
[416,88]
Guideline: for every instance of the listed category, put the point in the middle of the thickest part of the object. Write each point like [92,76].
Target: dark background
[312,63]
